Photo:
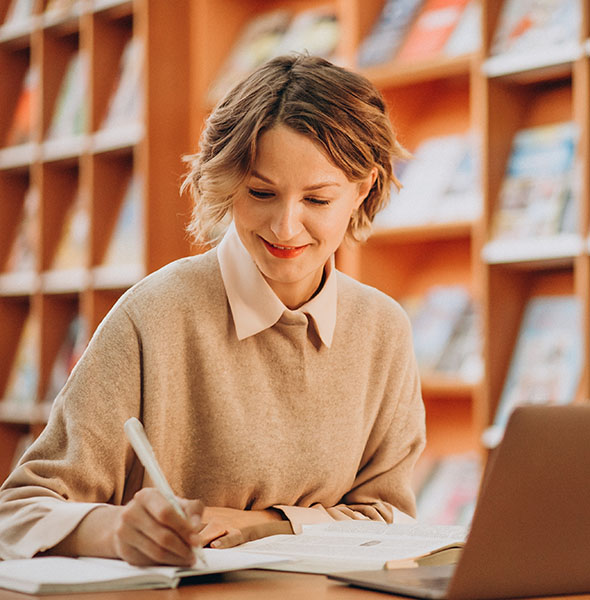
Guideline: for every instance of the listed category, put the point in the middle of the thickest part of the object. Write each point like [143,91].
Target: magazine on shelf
[537,192]
[69,115]
[388,32]
[529,25]
[18,11]
[448,492]
[69,352]
[255,44]
[71,250]
[24,248]
[125,104]
[431,30]
[466,36]
[126,245]
[60,6]
[21,126]
[546,363]
[315,31]
[463,355]
[451,192]
[21,389]
[435,318]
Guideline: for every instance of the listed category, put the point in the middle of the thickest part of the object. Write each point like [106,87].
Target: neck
[295,295]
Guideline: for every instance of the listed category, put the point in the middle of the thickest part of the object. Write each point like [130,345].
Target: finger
[193,508]
[160,509]
[143,524]
[143,550]
[233,537]
[211,531]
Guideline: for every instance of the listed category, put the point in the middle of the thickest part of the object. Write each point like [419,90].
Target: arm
[81,460]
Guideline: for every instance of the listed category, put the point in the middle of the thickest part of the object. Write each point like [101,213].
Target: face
[293,210]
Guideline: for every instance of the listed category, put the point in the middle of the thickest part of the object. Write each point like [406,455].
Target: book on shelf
[61,6]
[255,45]
[18,11]
[69,353]
[126,244]
[546,363]
[463,354]
[350,545]
[64,575]
[448,492]
[276,32]
[437,318]
[451,192]
[21,389]
[24,248]
[69,115]
[466,36]
[21,126]
[125,104]
[530,25]
[71,250]
[431,30]
[387,33]
[315,31]
[537,196]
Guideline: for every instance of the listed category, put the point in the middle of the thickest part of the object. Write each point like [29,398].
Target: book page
[354,545]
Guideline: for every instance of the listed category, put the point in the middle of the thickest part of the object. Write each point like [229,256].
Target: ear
[365,186]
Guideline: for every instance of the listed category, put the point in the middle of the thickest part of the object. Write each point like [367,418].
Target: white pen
[140,443]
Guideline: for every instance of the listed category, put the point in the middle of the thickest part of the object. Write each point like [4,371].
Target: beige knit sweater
[277,419]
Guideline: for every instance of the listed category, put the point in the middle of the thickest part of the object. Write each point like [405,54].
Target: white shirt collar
[254,305]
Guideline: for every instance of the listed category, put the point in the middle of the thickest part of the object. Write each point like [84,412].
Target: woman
[272,387]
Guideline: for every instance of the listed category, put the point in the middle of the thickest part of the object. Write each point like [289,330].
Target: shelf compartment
[395,74]
[543,64]
[541,251]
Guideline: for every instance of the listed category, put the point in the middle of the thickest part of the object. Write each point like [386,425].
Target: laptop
[530,533]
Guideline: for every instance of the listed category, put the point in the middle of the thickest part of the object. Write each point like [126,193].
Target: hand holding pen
[156,527]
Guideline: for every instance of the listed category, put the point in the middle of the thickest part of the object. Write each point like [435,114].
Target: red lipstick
[279,251]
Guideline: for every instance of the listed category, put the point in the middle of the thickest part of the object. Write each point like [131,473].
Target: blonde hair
[338,109]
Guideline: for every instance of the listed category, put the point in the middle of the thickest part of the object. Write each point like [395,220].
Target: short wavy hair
[336,108]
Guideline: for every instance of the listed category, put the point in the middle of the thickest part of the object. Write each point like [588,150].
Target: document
[63,575]
[360,545]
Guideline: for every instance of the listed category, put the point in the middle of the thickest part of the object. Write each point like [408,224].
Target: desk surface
[244,585]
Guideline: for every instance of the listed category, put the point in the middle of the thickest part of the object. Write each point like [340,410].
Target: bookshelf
[492,96]
[86,165]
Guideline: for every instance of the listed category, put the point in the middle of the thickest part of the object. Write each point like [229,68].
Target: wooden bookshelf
[94,165]
[493,97]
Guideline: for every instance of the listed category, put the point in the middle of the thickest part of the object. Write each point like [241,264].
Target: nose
[286,221]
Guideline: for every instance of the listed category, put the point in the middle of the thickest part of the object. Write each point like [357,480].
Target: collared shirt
[254,305]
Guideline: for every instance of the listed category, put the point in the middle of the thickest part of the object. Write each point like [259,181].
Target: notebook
[530,533]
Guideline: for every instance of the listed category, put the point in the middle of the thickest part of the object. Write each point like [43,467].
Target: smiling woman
[292,220]
[271,386]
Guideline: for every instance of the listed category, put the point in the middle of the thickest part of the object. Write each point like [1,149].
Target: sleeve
[383,482]
[80,460]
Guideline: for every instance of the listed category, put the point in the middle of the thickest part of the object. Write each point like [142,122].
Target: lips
[279,251]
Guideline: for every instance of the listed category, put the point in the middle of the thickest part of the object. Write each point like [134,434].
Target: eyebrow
[315,186]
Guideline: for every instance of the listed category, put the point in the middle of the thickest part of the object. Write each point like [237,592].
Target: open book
[361,545]
[62,575]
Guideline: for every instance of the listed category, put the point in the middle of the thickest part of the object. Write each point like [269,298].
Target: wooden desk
[244,585]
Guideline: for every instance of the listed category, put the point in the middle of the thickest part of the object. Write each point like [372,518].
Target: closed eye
[318,201]
[260,194]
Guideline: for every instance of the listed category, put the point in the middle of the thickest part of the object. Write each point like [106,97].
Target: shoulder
[183,282]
